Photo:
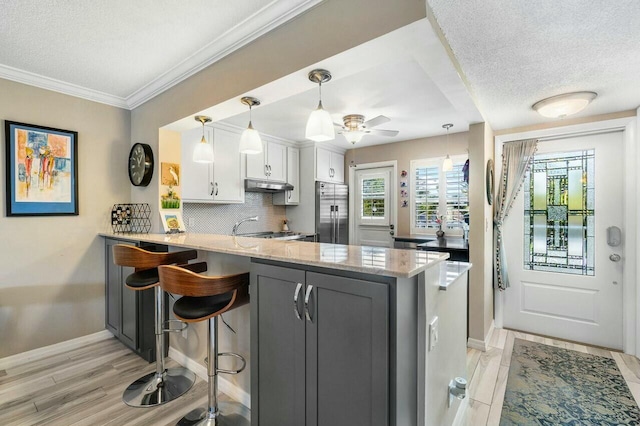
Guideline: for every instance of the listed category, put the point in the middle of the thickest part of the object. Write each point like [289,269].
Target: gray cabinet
[129,314]
[321,358]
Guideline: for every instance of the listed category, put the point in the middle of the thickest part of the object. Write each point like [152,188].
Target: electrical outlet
[192,222]
[433,333]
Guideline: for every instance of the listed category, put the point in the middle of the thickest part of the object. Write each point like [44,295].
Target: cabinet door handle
[295,301]
[307,295]
[266,170]
[289,195]
[216,185]
[269,169]
[212,188]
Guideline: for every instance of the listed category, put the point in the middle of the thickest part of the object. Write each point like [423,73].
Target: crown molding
[37,80]
[261,22]
[254,26]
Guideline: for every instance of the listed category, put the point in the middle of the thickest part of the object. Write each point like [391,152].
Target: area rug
[554,386]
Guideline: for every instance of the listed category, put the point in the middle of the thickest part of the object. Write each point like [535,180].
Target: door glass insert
[559,218]
[373,197]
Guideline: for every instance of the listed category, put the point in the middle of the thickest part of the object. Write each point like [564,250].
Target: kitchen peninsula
[355,347]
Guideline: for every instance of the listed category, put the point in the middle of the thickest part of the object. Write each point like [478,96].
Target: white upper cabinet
[228,182]
[270,164]
[329,166]
[221,182]
[289,198]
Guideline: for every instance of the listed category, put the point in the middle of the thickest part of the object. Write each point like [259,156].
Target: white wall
[52,268]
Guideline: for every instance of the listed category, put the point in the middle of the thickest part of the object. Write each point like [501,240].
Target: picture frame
[41,170]
[172,221]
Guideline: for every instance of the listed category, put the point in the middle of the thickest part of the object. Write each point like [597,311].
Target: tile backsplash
[220,218]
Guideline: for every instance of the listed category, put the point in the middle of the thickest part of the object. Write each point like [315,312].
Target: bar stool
[163,385]
[206,298]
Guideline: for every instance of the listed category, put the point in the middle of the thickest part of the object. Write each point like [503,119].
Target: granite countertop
[414,237]
[369,260]
[451,271]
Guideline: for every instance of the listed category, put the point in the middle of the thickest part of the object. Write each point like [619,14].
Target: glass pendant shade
[353,136]
[447,164]
[250,142]
[203,152]
[320,126]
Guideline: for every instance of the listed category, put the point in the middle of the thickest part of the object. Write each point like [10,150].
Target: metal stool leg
[163,385]
[217,413]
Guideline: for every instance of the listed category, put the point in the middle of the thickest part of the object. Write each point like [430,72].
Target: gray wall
[52,268]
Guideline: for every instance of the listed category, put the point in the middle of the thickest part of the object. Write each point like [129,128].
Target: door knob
[614,257]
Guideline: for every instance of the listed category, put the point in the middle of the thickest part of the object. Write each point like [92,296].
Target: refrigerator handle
[337,225]
[332,222]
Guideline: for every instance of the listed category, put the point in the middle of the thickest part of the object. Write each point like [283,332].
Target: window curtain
[516,159]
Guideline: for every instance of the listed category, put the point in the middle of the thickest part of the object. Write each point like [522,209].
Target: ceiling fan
[355,128]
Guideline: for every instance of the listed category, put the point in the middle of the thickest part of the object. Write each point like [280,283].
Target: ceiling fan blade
[376,121]
[381,132]
[338,125]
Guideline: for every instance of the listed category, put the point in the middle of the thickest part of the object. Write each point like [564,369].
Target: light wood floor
[488,373]
[84,386]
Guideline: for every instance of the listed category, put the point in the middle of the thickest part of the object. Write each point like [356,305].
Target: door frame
[630,294]
[352,200]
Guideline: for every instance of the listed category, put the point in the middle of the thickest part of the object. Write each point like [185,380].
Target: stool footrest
[170,329]
[233,354]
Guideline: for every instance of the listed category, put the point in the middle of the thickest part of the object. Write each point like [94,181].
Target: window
[438,195]
[559,217]
[372,188]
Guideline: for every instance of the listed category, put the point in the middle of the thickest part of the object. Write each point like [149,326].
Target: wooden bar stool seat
[164,384]
[206,298]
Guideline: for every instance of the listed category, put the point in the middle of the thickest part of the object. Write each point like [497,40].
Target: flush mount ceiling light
[203,152]
[250,142]
[447,164]
[563,105]
[320,125]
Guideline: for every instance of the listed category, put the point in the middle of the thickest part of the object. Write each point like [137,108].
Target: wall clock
[140,164]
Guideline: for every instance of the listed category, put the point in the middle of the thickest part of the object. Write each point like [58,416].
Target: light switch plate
[433,333]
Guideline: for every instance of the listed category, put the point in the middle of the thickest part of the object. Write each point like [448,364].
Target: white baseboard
[229,388]
[482,345]
[57,348]
[461,415]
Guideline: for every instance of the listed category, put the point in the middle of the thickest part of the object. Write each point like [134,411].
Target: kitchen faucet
[248,219]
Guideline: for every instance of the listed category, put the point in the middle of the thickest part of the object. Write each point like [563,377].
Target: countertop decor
[131,218]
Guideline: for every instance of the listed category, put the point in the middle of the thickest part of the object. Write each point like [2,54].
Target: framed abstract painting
[42,170]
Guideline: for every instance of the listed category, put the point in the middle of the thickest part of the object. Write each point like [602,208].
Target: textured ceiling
[118,47]
[516,52]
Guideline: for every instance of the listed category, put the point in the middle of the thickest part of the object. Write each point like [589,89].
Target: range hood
[255,185]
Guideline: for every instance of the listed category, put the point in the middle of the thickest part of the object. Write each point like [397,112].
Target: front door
[565,267]
[374,210]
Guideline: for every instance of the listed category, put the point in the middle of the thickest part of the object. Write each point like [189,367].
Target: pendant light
[203,152]
[250,142]
[320,125]
[447,164]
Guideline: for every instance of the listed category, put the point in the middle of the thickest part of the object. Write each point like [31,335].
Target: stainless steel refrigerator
[332,213]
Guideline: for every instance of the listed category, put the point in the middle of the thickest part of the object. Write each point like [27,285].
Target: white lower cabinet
[221,182]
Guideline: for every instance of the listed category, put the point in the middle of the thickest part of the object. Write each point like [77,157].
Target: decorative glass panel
[373,196]
[427,196]
[559,213]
